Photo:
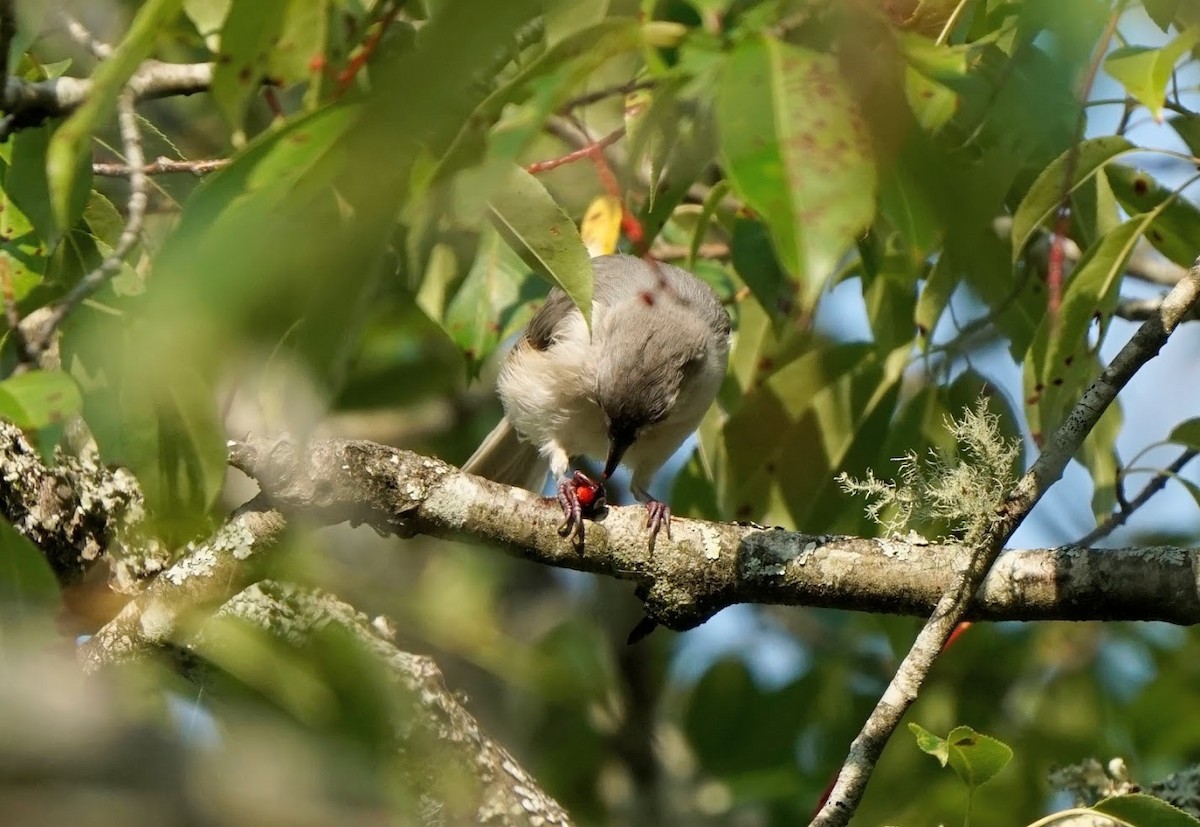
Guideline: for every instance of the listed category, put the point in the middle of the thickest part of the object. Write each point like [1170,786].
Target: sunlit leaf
[1141,810]
[1044,197]
[1145,72]
[975,757]
[39,398]
[70,144]
[544,236]
[796,150]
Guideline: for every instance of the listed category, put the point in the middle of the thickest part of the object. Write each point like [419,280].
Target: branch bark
[28,103]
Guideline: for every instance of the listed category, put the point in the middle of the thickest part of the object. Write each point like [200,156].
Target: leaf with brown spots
[797,151]
[1173,233]
[38,399]
[247,39]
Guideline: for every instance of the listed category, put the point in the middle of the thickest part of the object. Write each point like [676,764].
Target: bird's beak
[616,450]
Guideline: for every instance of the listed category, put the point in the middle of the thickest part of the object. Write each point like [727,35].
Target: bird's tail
[504,457]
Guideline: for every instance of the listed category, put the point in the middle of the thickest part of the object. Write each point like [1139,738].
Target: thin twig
[81,35]
[364,52]
[162,166]
[1118,518]
[131,139]
[589,98]
[868,746]
[577,155]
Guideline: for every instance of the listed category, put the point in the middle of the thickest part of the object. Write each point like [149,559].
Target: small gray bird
[630,391]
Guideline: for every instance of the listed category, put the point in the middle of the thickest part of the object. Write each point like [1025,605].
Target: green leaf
[796,151]
[27,583]
[1145,72]
[890,294]
[711,204]
[544,236]
[1042,199]
[1141,810]
[24,254]
[165,429]
[492,302]
[763,738]
[207,16]
[683,150]
[935,293]
[1173,231]
[247,40]
[1186,433]
[549,81]
[821,413]
[754,260]
[1188,129]
[300,50]
[71,141]
[1098,455]
[566,17]
[928,79]
[543,85]
[930,744]
[1162,12]
[38,399]
[974,757]
[1058,365]
[977,758]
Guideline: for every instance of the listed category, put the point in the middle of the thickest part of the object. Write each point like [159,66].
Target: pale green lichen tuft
[960,487]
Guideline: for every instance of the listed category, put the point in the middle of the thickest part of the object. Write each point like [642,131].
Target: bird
[628,391]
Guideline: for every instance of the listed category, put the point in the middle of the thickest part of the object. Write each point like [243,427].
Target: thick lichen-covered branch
[441,741]
[706,566]
[72,509]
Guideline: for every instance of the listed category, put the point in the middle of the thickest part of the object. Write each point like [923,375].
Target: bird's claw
[658,514]
[579,497]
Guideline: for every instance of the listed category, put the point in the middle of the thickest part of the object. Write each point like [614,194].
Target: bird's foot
[658,514]
[579,497]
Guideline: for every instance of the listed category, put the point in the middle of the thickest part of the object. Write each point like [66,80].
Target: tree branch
[707,566]
[163,166]
[28,103]
[135,212]
[1118,518]
[73,511]
[432,719]
[954,605]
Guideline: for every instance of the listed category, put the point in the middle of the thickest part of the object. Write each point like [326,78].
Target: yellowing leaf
[1145,72]
[601,225]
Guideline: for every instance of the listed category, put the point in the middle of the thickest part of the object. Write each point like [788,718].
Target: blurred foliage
[834,169]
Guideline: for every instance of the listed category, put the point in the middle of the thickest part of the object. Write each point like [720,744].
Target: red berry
[585,494]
